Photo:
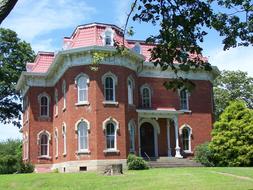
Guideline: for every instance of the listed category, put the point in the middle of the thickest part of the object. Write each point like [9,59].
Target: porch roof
[158,113]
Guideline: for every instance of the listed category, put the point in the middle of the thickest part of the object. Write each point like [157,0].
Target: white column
[139,136]
[177,148]
[168,138]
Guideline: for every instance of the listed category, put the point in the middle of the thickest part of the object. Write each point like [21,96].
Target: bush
[204,155]
[8,164]
[25,167]
[136,163]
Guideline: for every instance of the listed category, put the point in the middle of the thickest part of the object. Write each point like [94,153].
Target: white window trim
[56,137]
[131,79]
[150,94]
[115,83]
[64,95]
[188,127]
[111,31]
[131,123]
[56,97]
[44,94]
[86,102]
[64,135]
[139,46]
[187,100]
[48,141]
[80,151]
[116,125]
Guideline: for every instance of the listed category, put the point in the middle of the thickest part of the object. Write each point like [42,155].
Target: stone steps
[173,162]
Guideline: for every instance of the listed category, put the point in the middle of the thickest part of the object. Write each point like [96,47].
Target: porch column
[168,138]
[177,148]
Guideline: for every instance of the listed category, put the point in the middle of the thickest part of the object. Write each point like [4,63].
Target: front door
[147,140]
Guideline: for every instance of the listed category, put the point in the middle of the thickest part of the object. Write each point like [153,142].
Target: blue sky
[44,23]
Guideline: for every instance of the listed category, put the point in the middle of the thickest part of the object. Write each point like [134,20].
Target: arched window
[109,89]
[186,132]
[82,86]
[110,136]
[108,36]
[146,97]
[82,136]
[44,106]
[131,128]
[64,133]
[64,94]
[130,90]
[184,100]
[44,145]
[56,101]
[56,143]
[137,48]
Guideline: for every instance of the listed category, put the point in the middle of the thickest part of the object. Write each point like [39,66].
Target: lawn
[170,178]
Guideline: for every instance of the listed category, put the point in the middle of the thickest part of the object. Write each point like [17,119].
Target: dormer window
[137,48]
[108,37]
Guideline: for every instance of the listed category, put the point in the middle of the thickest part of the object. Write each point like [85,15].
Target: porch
[158,133]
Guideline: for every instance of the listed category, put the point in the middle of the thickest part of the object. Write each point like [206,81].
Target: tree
[232,85]
[185,23]
[14,54]
[232,136]
[5,8]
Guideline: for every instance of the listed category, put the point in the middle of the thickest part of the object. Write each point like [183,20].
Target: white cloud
[239,58]
[122,9]
[32,19]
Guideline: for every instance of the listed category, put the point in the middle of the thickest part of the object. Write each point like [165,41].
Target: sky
[44,23]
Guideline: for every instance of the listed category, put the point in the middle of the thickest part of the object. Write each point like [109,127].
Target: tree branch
[5,8]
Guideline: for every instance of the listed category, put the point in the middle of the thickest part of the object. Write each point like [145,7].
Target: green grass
[171,178]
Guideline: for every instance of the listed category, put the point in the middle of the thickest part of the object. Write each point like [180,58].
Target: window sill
[64,154]
[110,103]
[56,115]
[131,105]
[83,152]
[186,111]
[44,157]
[111,151]
[86,103]
[187,151]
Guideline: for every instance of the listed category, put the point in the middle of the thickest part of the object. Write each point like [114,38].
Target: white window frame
[110,33]
[115,82]
[186,126]
[130,92]
[116,126]
[85,102]
[44,132]
[146,86]
[56,97]
[77,125]
[64,138]
[137,48]
[64,95]
[131,125]
[56,143]
[182,107]
[44,94]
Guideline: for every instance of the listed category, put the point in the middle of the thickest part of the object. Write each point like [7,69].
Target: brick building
[76,118]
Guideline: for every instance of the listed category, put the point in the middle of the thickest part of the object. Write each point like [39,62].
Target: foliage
[11,158]
[232,85]
[183,26]
[14,54]
[5,8]
[232,142]
[136,163]
[204,155]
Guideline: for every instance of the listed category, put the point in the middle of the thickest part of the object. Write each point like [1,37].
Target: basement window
[83,168]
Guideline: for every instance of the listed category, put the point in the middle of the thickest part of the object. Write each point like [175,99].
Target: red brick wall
[200,119]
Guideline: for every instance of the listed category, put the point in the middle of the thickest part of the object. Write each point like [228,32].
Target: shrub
[136,163]
[8,164]
[25,167]
[204,155]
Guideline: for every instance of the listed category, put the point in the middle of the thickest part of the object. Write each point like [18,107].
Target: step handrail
[147,156]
